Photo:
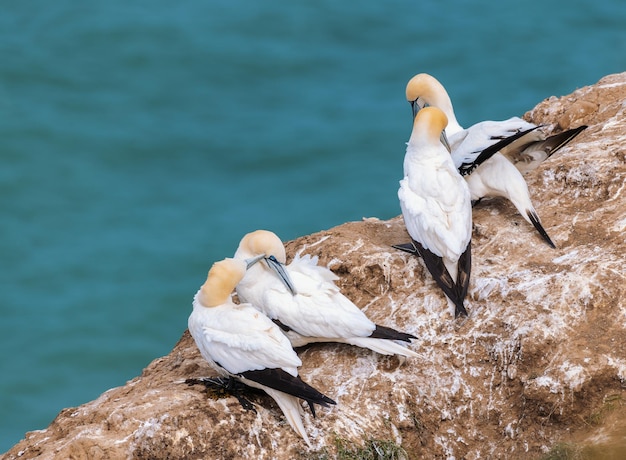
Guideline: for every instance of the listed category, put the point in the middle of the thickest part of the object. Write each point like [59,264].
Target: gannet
[498,177]
[303,299]
[522,143]
[526,153]
[436,207]
[240,342]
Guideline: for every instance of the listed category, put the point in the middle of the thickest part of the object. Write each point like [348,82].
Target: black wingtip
[387,333]
[467,168]
[406,247]
[282,326]
[534,218]
[460,310]
[325,402]
[280,380]
[557,141]
[456,292]
[463,277]
[459,307]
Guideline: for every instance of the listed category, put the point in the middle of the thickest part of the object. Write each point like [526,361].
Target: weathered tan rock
[541,359]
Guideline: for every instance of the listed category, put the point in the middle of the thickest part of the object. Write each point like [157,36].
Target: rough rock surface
[540,361]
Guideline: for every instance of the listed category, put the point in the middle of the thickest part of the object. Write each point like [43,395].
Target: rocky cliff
[539,366]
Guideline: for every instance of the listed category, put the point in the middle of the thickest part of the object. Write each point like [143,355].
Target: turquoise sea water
[140,140]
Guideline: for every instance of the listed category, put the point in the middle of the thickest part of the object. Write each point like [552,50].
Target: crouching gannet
[240,342]
[304,301]
[480,150]
[436,207]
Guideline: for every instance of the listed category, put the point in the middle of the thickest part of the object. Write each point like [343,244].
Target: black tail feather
[383,332]
[463,277]
[534,218]
[406,247]
[555,142]
[455,292]
[283,381]
[468,168]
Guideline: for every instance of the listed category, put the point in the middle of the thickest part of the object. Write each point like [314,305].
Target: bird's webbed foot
[222,387]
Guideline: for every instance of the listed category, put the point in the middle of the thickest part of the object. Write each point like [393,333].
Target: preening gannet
[238,341]
[304,300]
[436,207]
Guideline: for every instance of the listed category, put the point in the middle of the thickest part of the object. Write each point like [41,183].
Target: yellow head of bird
[433,119]
[221,281]
[263,242]
[423,86]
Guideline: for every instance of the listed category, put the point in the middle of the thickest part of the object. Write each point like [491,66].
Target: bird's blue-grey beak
[415,107]
[282,274]
[444,140]
[253,260]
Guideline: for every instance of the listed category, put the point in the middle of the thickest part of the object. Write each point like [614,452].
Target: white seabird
[526,153]
[304,301]
[479,151]
[436,207]
[240,342]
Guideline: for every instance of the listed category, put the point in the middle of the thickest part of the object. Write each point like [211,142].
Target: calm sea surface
[140,140]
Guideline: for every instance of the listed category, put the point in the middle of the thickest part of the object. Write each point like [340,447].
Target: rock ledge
[540,361]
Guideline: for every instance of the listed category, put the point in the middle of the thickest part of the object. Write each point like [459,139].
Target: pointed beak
[415,107]
[282,274]
[444,140]
[253,260]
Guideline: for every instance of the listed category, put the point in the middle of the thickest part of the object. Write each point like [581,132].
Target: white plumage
[303,297]
[239,341]
[436,206]
[495,177]
[498,177]
[526,153]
